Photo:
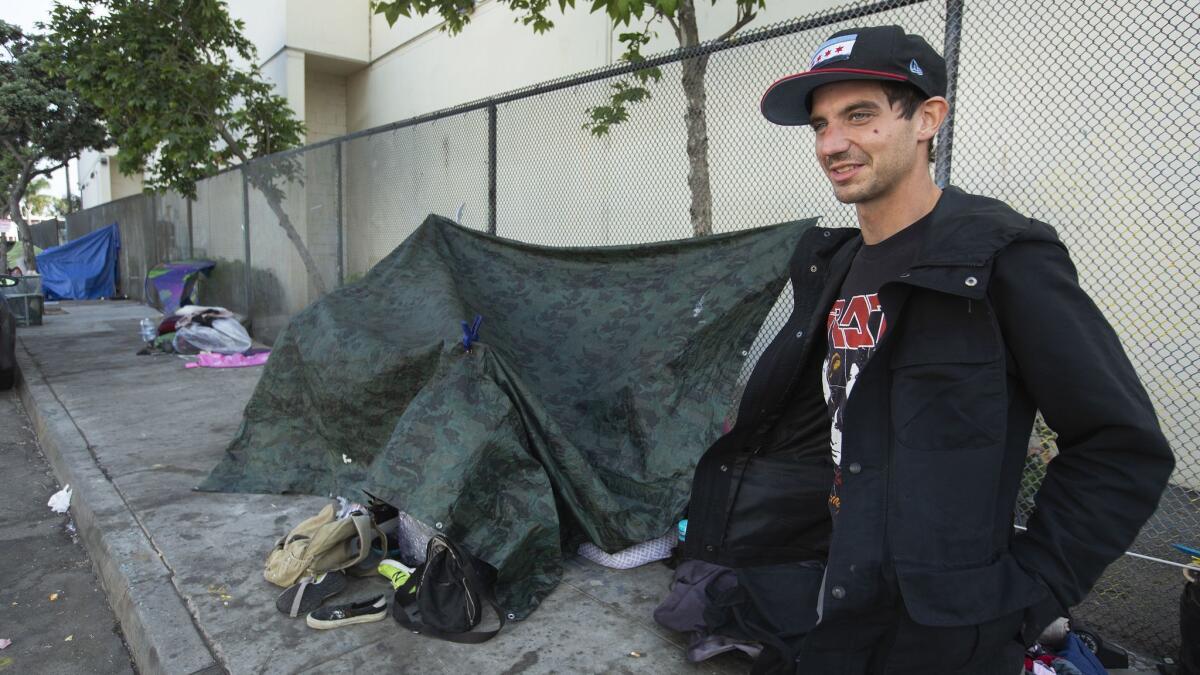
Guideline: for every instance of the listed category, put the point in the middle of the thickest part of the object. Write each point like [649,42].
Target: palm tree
[38,201]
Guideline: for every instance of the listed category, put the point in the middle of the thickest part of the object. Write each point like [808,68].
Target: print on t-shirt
[854,327]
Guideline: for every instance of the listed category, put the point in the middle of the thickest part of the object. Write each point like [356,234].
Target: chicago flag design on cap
[834,49]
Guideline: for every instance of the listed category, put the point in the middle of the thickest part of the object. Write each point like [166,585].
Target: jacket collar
[968,230]
[963,236]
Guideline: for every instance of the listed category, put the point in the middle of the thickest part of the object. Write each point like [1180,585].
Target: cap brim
[786,101]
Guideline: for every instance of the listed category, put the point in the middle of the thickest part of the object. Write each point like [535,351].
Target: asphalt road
[51,606]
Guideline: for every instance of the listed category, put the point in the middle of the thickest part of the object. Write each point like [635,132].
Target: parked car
[8,336]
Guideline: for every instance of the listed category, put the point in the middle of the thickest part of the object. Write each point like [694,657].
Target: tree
[166,76]
[38,202]
[65,205]
[680,15]
[41,121]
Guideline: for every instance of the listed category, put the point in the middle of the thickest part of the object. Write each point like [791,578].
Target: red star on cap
[839,49]
[827,52]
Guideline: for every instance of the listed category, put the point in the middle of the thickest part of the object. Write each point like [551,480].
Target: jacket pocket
[948,379]
[780,511]
[948,405]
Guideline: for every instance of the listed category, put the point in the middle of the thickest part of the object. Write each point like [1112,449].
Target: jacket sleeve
[1113,460]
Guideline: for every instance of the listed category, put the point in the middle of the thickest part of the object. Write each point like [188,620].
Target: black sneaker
[307,594]
[364,611]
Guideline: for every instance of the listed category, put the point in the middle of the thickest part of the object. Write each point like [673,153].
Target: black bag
[444,598]
[1189,627]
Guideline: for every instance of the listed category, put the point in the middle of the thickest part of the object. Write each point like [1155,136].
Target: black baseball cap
[884,53]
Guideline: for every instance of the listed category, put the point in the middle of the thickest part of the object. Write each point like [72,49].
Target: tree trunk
[694,69]
[24,234]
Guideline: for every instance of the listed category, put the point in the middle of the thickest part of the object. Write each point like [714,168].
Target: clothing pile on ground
[213,332]
[1061,651]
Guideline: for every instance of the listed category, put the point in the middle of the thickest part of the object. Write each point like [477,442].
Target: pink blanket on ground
[210,360]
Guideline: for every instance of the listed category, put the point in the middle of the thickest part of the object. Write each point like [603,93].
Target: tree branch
[46,171]
[232,142]
[742,20]
[674,26]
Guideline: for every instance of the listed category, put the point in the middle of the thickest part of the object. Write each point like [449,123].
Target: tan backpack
[321,544]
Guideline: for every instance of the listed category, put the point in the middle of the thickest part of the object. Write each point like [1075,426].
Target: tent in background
[171,285]
[82,269]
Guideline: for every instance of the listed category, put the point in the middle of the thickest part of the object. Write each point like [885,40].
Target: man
[908,376]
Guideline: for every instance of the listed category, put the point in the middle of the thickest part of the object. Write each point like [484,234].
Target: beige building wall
[324,105]
[416,68]
[100,181]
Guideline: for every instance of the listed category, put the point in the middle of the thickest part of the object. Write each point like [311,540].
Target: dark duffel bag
[446,596]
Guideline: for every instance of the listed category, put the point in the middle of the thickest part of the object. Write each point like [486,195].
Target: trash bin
[27,308]
[26,300]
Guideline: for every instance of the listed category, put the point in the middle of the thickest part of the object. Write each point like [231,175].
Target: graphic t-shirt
[856,323]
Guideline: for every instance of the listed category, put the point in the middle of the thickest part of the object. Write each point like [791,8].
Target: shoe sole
[326,625]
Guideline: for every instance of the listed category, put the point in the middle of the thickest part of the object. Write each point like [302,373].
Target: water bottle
[149,330]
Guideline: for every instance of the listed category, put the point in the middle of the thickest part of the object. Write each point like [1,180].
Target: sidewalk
[183,570]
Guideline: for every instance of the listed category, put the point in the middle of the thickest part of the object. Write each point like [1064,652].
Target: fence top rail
[115,202]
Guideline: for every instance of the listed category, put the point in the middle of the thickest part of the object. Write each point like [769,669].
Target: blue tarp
[82,269]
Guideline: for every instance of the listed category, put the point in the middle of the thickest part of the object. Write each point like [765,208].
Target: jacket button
[971,282]
[709,548]
[724,467]
[838,592]
[855,467]
[799,333]
[813,268]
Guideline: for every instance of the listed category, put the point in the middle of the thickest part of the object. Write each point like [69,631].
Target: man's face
[863,144]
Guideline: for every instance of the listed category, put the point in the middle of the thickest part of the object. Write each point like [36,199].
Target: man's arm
[1113,460]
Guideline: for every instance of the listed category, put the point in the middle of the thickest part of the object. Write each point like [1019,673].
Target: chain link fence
[1080,115]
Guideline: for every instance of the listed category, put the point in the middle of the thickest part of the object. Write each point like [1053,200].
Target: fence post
[341,228]
[191,242]
[246,236]
[945,139]
[491,168]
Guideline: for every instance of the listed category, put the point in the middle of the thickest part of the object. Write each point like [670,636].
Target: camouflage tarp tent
[599,378]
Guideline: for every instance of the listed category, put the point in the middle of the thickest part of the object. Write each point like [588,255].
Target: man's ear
[930,117]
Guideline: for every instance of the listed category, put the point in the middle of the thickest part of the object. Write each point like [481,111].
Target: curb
[159,630]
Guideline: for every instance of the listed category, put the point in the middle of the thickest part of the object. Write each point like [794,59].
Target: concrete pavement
[183,569]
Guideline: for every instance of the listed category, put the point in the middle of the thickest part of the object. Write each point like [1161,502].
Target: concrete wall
[324,105]
[121,184]
[100,181]
[94,181]
[337,29]
[264,24]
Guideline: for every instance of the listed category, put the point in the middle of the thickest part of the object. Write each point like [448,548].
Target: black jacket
[986,327]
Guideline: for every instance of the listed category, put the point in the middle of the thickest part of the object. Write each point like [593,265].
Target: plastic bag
[60,501]
[225,337]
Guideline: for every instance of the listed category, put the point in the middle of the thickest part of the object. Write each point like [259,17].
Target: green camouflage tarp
[599,378]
